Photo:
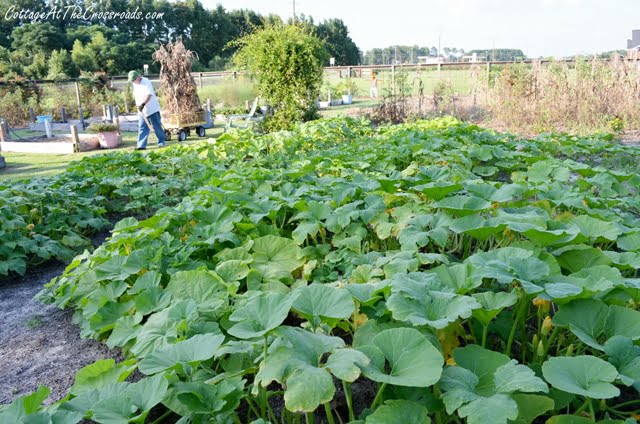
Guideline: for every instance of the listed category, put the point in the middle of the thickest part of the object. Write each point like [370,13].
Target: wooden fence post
[75,139]
[200,77]
[63,115]
[488,74]
[47,128]
[32,115]
[78,94]
[116,113]
[116,122]
[393,80]
[4,132]
[81,112]
[209,114]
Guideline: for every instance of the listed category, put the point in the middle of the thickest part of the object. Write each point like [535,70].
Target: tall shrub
[286,64]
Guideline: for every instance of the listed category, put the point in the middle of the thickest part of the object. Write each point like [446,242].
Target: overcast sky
[538,27]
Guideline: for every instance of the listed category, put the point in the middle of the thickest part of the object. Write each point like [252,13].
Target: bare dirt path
[38,343]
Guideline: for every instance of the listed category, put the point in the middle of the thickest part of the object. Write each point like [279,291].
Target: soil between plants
[38,343]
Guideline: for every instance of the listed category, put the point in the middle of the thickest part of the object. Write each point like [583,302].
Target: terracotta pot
[109,140]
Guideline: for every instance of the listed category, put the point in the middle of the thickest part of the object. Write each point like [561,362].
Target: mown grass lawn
[28,165]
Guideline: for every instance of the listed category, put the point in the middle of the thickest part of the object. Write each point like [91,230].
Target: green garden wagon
[183,123]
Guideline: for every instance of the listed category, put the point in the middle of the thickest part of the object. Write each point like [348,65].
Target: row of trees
[65,45]
[407,54]
[411,54]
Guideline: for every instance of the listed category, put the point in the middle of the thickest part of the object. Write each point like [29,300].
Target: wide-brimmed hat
[133,75]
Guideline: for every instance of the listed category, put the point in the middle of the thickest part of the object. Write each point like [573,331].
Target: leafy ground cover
[53,218]
[464,274]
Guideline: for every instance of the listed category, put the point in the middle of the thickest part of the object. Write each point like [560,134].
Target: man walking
[148,110]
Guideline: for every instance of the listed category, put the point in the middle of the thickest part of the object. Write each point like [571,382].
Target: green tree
[84,57]
[61,66]
[38,68]
[39,37]
[286,64]
[8,25]
[500,54]
[339,44]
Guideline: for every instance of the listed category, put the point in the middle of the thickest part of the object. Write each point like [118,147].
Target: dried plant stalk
[178,87]
[588,95]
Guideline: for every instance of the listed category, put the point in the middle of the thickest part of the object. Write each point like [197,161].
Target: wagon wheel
[167,135]
[188,131]
[182,135]
[201,131]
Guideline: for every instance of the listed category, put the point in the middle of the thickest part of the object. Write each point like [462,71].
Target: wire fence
[68,99]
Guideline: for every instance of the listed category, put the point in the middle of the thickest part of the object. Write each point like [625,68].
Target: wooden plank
[35,147]
[4,133]
[78,94]
[74,138]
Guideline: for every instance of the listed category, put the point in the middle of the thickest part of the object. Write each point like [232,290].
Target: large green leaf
[457,277]
[596,228]
[594,322]
[439,189]
[531,406]
[276,257]
[101,373]
[462,205]
[496,409]
[399,411]
[205,287]
[196,349]
[625,356]
[200,400]
[477,227]
[412,359]
[25,409]
[419,300]
[346,364]
[319,302]
[262,312]
[582,375]
[308,387]
[134,402]
[508,264]
[161,330]
[296,354]
[492,304]
[512,377]
[484,379]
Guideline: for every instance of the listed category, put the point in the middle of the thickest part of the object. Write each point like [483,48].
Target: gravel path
[38,343]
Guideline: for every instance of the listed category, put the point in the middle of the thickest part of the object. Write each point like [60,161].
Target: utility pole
[395,55]
[439,35]
[294,11]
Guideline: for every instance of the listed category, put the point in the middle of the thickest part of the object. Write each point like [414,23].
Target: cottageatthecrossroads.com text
[73,12]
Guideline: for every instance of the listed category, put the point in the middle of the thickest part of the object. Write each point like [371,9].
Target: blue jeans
[143,130]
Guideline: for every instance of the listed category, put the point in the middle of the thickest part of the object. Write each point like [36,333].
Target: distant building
[430,60]
[635,39]
[473,58]
[633,45]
